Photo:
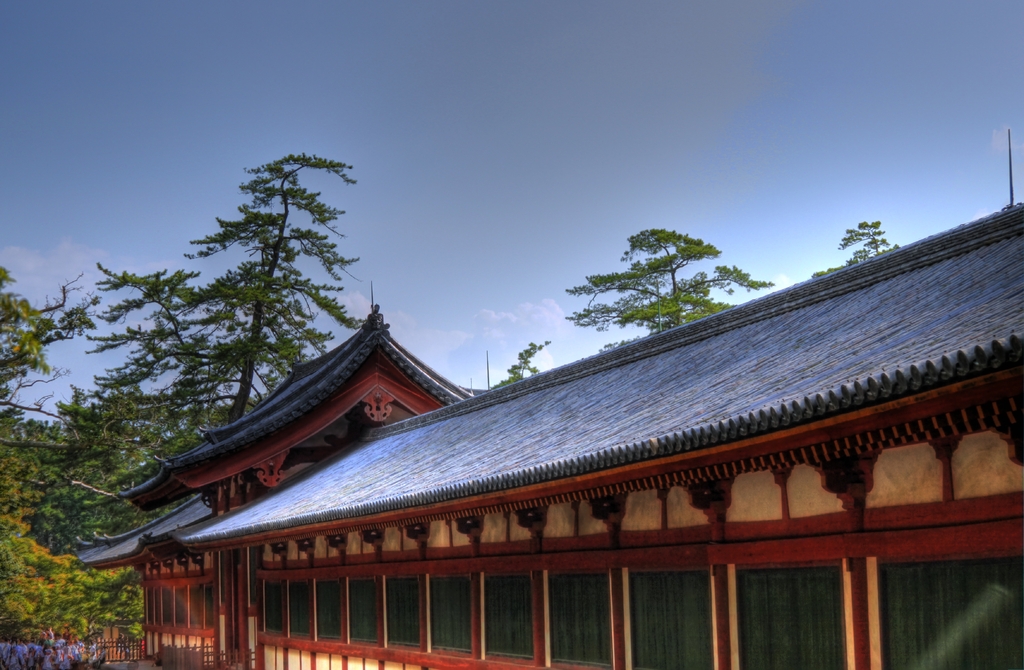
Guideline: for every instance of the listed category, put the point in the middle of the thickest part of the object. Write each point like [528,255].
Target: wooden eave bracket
[610,510]
[712,497]
[851,479]
[473,528]
[270,471]
[533,519]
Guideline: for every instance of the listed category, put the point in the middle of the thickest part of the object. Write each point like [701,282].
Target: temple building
[826,477]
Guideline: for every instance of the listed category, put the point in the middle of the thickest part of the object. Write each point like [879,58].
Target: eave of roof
[118,548]
[950,333]
[308,385]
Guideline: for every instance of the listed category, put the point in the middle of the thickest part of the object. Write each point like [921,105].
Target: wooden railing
[205,658]
[122,649]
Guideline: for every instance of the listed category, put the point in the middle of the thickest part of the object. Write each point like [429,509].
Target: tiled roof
[929,313]
[119,547]
[307,385]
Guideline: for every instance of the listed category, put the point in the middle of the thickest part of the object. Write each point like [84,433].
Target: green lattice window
[328,610]
[450,616]
[670,614]
[273,620]
[580,619]
[508,615]
[403,610]
[791,619]
[362,610]
[953,615]
[298,608]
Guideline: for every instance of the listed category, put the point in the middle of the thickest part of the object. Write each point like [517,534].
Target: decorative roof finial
[375,320]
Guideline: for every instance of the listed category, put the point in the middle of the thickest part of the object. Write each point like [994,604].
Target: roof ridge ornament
[375,320]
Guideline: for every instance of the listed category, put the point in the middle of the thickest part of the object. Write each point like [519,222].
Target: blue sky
[503,151]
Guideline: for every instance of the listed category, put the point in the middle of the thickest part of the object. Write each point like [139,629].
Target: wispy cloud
[39,274]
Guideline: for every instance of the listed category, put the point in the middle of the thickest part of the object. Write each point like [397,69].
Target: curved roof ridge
[951,243]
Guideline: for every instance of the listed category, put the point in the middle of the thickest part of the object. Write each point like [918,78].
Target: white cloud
[39,274]
[782,281]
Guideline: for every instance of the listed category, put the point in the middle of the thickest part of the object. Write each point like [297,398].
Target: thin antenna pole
[488,355]
[371,296]
[1009,156]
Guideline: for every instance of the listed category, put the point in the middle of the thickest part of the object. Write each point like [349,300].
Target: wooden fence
[205,658]
[122,649]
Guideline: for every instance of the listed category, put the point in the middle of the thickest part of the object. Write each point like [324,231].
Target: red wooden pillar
[475,615]
[859,605]
[539,618]
[344,610]
[720,574]
[261,654]
[423,612]
[241,602]
[618,621]
[379,581]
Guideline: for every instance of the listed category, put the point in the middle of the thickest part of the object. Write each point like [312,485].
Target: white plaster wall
[459,539]
[337,662]
[295,660]
[392,539]
[561,521]
[643,511]
[407,544]
[354,544]
[306,658]
[320,547]
[588,524]
[323,662]
[755,497]
[438,534]
[515,531]
[293,551]
[391,665]
[494,528]
[268,555]
[354,663]
[270,657]
[681,513]
[806,495]
[906,476]
[982,467]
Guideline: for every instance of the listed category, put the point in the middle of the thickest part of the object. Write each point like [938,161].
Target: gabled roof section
[108,550]
[941,309]
[308,385]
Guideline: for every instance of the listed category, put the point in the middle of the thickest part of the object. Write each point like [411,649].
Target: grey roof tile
[874,330]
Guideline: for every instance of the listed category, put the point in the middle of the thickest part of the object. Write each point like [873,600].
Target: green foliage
[654,292]
[26,331]
[225,343]
[523,364]
[39,590]
[871,236]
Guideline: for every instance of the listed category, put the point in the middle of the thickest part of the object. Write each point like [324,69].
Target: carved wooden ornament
[269,472]
[378,405]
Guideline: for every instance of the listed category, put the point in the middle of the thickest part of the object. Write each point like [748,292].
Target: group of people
[50,652]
